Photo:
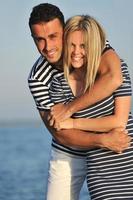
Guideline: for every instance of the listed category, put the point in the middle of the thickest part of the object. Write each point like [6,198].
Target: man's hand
[58,113]
[117,140]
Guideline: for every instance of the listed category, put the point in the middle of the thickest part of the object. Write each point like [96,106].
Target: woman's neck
[77,82]
[77,74]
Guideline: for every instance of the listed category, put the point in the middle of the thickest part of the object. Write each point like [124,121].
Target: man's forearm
[102,88]
[78,138]
[116,140]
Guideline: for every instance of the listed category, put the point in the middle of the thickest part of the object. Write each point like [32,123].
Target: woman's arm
[118,119]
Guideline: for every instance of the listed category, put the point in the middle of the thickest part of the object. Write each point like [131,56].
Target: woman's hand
[66,124]
[59,113]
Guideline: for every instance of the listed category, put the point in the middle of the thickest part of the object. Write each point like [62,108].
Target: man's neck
[58,65]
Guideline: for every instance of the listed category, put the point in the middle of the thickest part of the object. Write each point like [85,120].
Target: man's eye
[39,39]
[53,36]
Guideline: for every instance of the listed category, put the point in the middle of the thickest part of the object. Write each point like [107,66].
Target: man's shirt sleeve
[125,89]
[40,94]
[107,47]
[39,82]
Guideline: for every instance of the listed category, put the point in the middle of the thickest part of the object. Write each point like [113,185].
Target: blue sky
[18,52]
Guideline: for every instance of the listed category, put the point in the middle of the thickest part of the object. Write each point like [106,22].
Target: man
[46,24]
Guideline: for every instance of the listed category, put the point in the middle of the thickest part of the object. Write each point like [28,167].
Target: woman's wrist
[74,123]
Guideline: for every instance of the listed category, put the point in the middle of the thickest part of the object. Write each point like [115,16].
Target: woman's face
[77,49]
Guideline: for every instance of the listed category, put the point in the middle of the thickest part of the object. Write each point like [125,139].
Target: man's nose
[48,45]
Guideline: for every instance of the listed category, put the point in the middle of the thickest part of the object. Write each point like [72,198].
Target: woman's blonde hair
[94,40]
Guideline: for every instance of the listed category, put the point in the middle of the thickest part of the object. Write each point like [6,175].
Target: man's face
[48,39]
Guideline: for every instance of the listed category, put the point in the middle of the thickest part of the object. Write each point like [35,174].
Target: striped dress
[109,175]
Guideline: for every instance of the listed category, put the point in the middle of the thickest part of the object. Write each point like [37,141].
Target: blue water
[24,156]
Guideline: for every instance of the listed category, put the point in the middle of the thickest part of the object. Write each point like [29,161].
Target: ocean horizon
[24,158]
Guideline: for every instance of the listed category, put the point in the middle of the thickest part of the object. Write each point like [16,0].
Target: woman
[109,175]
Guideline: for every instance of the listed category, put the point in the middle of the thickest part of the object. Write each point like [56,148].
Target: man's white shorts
[66,176]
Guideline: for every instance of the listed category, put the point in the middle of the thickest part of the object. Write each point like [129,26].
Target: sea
[24,158]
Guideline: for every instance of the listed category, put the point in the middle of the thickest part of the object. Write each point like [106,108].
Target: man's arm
[116,140]
[110,78]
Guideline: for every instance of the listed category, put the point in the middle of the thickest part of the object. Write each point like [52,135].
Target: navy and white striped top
[61,92]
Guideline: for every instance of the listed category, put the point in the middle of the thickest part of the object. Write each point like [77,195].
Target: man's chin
[53,60]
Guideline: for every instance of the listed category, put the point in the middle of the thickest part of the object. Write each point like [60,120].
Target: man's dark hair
[45,12]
